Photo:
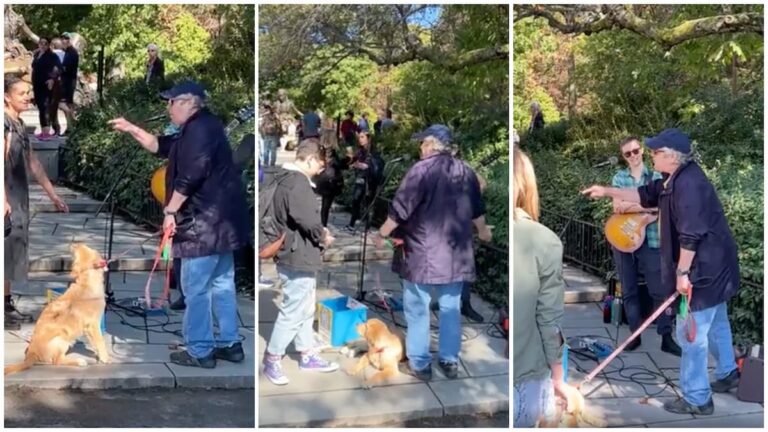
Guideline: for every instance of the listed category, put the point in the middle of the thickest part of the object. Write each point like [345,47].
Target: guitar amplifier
[751,381]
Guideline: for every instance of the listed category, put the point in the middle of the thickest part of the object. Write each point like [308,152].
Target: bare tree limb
[588,19]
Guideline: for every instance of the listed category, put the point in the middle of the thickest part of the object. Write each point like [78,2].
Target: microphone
[400,159]
[155,118]
[613,160]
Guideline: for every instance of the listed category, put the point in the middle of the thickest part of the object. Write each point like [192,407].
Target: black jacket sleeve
[304,214]
[649,193]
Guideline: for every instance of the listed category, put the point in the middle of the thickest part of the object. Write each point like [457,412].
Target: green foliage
[627,85]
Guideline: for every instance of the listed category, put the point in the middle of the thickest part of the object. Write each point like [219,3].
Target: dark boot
[179,304]
[634,344]
[668,345]
[14,318]
[726,384]
[680,406]
[471,314]
[232,354]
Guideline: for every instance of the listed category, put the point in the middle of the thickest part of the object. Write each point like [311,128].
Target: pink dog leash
[637,332]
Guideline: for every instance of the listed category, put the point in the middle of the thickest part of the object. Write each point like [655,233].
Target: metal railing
[584,245]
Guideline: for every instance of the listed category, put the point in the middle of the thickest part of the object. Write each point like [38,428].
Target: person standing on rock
[207,213]
[70,67]
[20,161]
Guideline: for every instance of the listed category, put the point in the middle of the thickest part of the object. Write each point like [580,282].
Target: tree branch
[588,19]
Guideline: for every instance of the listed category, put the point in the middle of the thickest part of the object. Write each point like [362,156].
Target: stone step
[582,287]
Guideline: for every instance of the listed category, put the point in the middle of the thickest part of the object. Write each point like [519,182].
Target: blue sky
[428,17]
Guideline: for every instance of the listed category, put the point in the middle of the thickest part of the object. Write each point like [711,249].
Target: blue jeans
[269,150]
[297,313]
[208,284]
[713,334]
[534,399]
[416,298]
[647,262]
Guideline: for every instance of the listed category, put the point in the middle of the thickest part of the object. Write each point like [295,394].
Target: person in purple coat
[433,212]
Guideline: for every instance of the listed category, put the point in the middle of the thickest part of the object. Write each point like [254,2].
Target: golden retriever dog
[385,351]
[75,313]
[574,413]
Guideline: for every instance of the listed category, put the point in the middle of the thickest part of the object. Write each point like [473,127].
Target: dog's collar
[379,351]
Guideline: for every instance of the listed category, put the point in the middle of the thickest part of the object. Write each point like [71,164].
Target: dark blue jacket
[214,218]
[692,217]
[434,207]
[70,64]
[43,69]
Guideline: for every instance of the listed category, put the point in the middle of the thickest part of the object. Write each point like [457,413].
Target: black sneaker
[450,369]
[232,354]
[634,344]
[11,324]
[471,314]
[726,384]
[424,374]
[668,345]
[178,304]
[183,358]
[680,406]
[13,314]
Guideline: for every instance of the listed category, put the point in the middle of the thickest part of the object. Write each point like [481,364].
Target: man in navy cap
[208,213]
[433,212]
[698,258]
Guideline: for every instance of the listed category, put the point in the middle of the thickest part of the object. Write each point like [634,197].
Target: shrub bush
[728,138]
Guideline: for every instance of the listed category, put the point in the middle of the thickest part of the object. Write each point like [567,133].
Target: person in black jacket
[208,214]
[295,208]
[330,182]
[698,258]
[45,71]
[155,66]
[70,66]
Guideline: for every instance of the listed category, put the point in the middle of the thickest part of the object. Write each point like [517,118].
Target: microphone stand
[110,199]
[366,214]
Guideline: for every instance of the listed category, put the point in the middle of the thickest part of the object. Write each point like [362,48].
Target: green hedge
[728,141]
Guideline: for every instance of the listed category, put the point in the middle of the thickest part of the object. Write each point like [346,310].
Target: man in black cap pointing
[207,212]
[699,259]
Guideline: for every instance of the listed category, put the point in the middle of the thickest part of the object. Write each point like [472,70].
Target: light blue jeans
[713,334]
[416,299]
[269,149]
[534,399]
[209,289]
[297,313]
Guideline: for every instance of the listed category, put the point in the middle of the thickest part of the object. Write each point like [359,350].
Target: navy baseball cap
[441,132]
[674,139]
[184,87]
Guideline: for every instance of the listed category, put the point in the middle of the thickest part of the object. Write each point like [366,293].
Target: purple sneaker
[313,362]
[273,370]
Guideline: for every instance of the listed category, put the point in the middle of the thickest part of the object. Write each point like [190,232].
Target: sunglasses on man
[632,152]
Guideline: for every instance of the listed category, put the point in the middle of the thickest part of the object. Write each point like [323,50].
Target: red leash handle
[158,256]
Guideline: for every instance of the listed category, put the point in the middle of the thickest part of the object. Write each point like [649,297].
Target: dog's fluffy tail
[18,367]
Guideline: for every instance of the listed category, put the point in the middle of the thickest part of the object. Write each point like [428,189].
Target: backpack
[270,125]
[271,234]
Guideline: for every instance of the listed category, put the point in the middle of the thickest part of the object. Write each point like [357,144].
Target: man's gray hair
[197,101]
[438,145]
[680,158]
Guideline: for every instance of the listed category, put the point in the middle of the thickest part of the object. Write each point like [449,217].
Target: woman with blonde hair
[538,301]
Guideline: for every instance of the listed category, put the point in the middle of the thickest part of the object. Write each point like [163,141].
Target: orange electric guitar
[626,231]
